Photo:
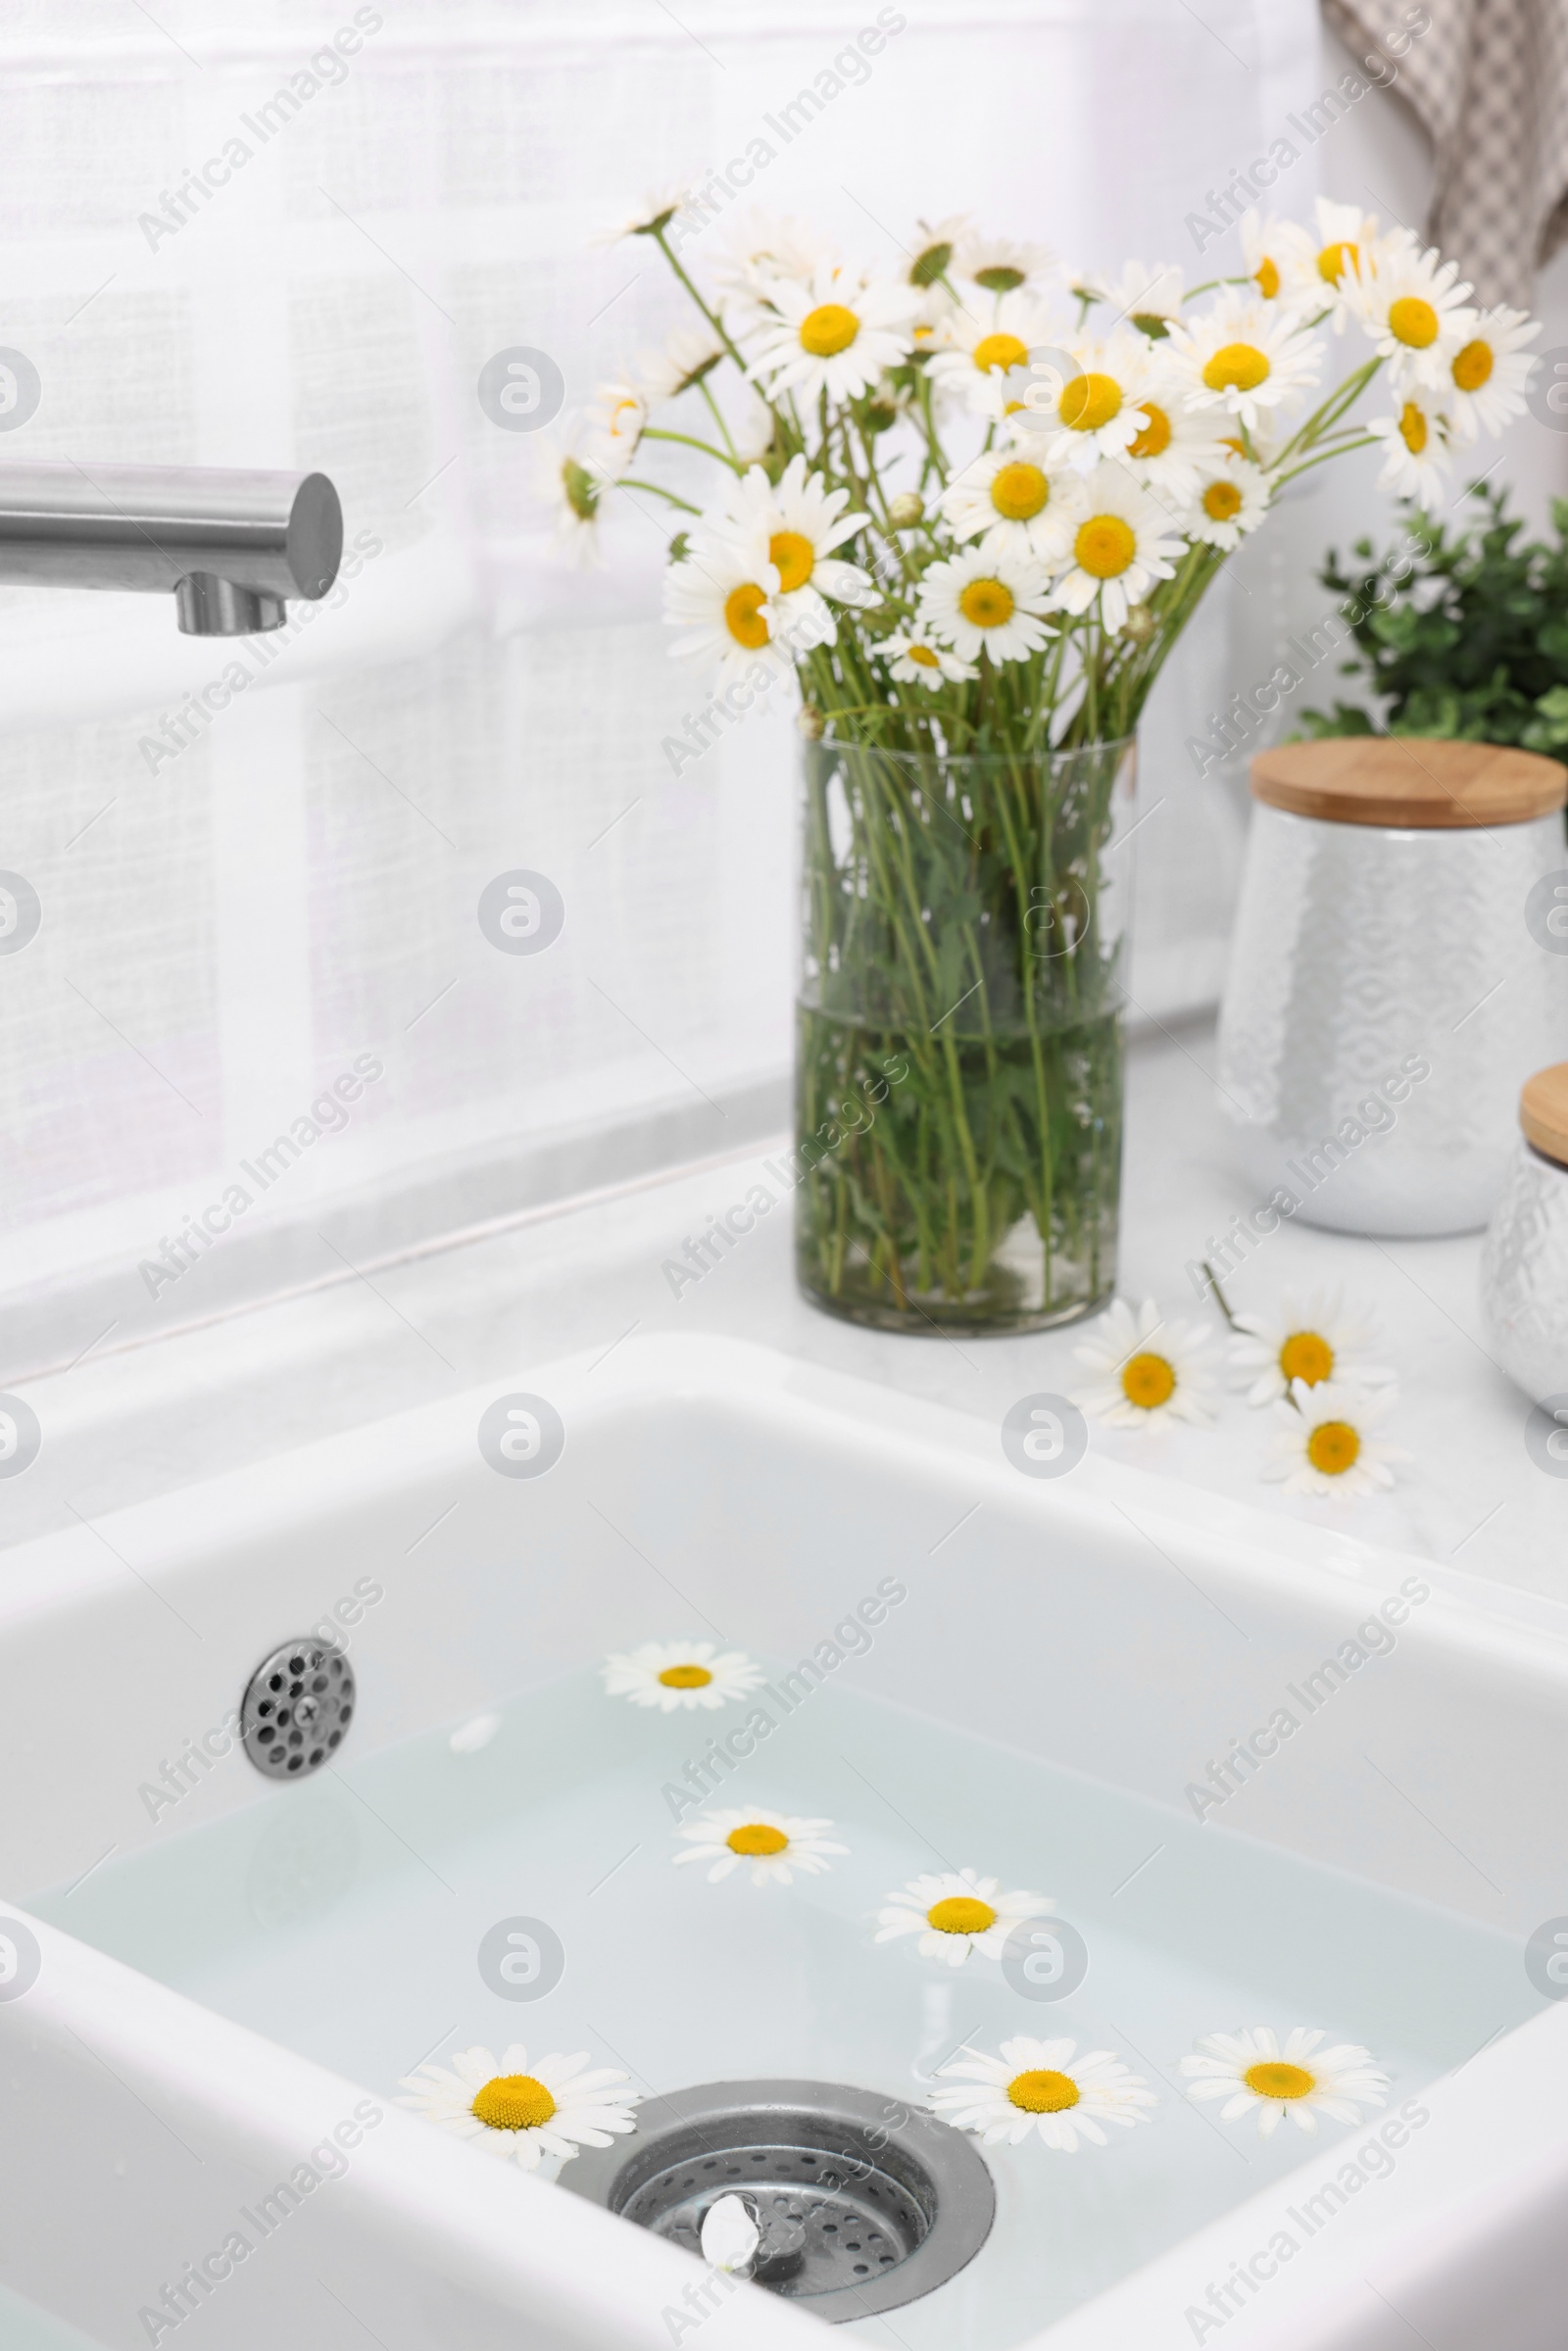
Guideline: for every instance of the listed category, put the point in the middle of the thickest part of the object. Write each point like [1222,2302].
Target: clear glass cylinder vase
[958,1059]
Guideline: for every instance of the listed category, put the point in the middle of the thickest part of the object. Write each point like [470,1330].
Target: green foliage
[1469,642]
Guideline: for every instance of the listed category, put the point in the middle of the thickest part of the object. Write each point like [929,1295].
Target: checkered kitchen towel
[1488,79]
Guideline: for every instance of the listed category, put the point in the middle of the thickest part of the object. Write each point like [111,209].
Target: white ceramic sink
[232,1980]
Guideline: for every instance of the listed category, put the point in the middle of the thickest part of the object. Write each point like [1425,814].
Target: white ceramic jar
[1524,1265]
[1396,974]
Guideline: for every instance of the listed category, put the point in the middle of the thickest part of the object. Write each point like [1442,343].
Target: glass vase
[958,1059]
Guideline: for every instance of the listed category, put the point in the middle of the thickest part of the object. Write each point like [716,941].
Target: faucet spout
[231,547]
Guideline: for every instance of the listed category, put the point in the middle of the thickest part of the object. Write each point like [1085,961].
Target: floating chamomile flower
[1250,2069]
[507,2112]
[1014,504]
[775,1843]
[689,353]
[917,661]
[983,363]
[1148,1369]
[678,1674]
[1325,1440]
[954,1912]
[982,603]
[1149,296]
[1488,375]
[650,216]
[801,521]
[1413,308]
[1122,542]
[832,335]
[1244,358]
[1230,505]
[1039,2087]
[1312,1340]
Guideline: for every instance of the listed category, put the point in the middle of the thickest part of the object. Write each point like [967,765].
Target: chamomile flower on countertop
[1490,374]
[955,1912]
[775,1844]
[915,659]
[1148,1369]
[1413,305]
[1250,2069]
[1123,543]
[1014,504]
[983,362]
[1326,1441]
[831,333]
[1039,2087]
[1232,503]
[1004,264]
[680,1674]
[1242,359]
[506,2111]
[1312,1339]
[1096,410]
[982,603]
[802,521]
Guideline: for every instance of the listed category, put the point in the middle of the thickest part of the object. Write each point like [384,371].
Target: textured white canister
[1391,980]
[1524,1265]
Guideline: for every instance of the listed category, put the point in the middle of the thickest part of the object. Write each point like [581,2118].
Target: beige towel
[1488,79]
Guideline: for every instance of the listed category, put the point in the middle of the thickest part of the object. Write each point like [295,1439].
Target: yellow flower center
[1221,501]
[828,330]
[1306,1357]
[1412,321]
[1274,2080]
[961,1914]
[1236,367]
[513,2102]
[1266,278]
[793,557]
[1089,402]
[743,617]
[1473,365]
[757,1836]
[1043,2092]
[924,655]
[1333,1447]
[1412,428]
[690,1677]
[1104,546]
[1148,1380]
[1020,491]
[986,603]
[999,351]
[1155,435]
[1334,260]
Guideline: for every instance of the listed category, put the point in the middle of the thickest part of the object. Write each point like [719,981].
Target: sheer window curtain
[259,880]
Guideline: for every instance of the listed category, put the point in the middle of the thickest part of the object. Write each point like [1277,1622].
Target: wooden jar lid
[1415,783]
[1543,1112]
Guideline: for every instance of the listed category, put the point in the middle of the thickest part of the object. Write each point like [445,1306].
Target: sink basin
[212,1983]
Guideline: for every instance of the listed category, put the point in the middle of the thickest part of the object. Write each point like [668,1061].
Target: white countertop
[119,1428]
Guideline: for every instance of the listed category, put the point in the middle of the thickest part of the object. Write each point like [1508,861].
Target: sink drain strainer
[298,1705]
[863,2205]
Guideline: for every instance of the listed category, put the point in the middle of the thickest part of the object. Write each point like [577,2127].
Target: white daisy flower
[914,661]
[1099,412]
[983,362]
[680,1674]
[570,485]
[1416,445]
[957,1912]
[936,249]
[614,425]
[1243,357]
[1014,505]
[1003,265]
[1234,502]
[646,219]
[507,2111]
[766,246]
[1122,546]
[1148,296]
[1039,2087]
[1324,1442]
[830,336]
[1270,256]
[1312,1339]
[980,603]
[802,521]
[726,597]
[1174,449]
[1489,375]
[775,1843]
[1250,2069]
[1321,268]
[689,353]
[1413,306]
[1147,1369]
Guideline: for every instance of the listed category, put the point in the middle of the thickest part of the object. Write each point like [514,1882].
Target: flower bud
[811,723]
[1139,625]
[906,510]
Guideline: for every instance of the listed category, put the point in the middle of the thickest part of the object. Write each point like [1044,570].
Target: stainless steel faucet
[230,546]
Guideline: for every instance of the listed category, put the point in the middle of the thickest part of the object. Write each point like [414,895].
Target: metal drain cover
[298,1705]
[863,2204]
